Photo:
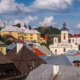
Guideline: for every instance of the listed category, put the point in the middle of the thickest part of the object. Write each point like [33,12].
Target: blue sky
[38,12]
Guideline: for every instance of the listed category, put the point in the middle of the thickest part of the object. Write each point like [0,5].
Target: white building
[77,38]
[65,44]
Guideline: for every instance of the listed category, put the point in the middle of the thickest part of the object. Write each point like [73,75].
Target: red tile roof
[68,36]
[77,53]
[45,37]
[20,41]
[9,36]
[38,52]
[77,35]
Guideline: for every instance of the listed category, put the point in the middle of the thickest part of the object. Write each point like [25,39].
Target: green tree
[79,47]
[30,27]
[42,35]
[18,25]
[0,28]
[8,42]
[25,25]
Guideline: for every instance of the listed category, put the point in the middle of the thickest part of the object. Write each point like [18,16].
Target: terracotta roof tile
[38,52]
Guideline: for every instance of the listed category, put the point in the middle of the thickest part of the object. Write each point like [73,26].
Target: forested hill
[48,30]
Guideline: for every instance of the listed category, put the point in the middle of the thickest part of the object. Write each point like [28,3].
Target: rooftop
[12,29]
[38,52]
[64,27]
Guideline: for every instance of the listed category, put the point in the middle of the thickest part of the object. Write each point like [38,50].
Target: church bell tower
[64,33]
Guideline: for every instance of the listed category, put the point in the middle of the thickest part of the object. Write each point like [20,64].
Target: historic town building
[62,46]
[21,33]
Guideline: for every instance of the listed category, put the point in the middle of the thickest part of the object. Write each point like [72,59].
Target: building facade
[3,47]
[62,46]
[77,38]
[21,33]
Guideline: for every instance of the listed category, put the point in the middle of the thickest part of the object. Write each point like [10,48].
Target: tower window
[64,38]
[55,40]
[73,40]
[55,50]
[64,50]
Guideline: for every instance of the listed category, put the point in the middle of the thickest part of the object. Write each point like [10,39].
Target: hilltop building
[21,33]
[62,46]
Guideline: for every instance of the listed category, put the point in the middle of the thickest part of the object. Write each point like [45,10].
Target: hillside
[48,30]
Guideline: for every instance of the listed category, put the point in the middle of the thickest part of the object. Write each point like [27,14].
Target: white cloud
[48,20]
[77,26]
[54,5]
[26,20]
[71,31]
[11,7]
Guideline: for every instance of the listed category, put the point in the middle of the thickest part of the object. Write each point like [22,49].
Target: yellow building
[31,35]
[21,33]
[3,47]
[12,30]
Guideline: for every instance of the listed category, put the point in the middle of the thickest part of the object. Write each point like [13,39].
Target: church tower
[64,33]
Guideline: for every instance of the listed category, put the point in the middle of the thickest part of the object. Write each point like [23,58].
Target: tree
[30,27]
[42,35]
[8,42]
[25,25]
[18,25]
[0,28]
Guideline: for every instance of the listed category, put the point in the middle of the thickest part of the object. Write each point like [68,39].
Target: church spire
[64,24]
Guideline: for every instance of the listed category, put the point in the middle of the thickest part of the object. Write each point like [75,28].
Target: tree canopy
[18,25]
[30,27]
[25,25]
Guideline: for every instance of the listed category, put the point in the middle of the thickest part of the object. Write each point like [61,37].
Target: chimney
[55,69]
[19,46]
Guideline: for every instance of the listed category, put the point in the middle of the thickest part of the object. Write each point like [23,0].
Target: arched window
[73,40]
[64,38]
[55,40]
[64,50]
[55,50]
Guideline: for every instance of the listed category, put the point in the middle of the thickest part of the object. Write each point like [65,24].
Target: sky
[39,12]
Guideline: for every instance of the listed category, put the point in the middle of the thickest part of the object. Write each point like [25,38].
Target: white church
[62,46]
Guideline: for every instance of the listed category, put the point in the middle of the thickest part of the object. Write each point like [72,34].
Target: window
[31,37]
[73,40]
[64,50]
[64,37]
[55,50]
[31,34]
[55,40]
[1,49]
[8,70]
